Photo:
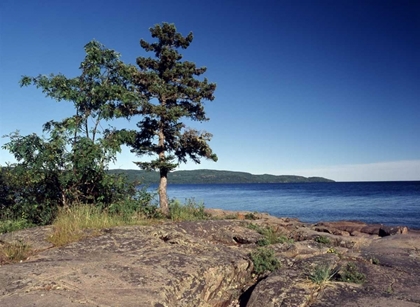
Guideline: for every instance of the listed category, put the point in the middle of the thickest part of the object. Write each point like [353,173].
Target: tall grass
[72,224]
[81,221]
[190,211]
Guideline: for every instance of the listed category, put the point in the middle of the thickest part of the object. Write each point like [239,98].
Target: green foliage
[350,273]
[13,225]
[321,274]
[374,260]
[271,235]
[173,94]
[323,240]
[140,204]
[332,250]
[190,211]
[43,181]
[264,260]
[28,196]
[69,165]
[251,216]
[6,191]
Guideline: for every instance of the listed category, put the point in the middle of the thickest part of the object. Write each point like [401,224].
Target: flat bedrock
[207,263]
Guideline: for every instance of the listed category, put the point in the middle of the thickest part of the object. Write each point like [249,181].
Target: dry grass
[83,221]
[14,252]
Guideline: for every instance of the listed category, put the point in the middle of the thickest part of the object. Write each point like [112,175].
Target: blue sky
[313,88]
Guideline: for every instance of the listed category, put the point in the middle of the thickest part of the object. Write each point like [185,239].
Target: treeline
[213,176]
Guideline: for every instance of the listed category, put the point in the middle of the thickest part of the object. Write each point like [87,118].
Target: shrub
[141,204]
[10,225]
[351,274]
[374,260]
[323,240]
[264,260]
[251,216]
[36,195]
[22,197]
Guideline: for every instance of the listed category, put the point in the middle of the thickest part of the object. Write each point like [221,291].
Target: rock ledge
[207,263]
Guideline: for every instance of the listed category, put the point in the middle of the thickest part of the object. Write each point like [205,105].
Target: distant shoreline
[206,176]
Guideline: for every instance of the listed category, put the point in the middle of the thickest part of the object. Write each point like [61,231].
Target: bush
[140,205]
[264,260]
[351,274]
[374,260]
[323,240]
[24,198]
[36,195]
[13,225]
[251,216]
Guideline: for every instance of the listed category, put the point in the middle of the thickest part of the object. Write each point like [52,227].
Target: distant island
[213,176]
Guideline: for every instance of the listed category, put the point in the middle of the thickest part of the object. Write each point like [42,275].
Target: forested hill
[213,176]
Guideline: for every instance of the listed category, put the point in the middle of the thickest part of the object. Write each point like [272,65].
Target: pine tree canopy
[174,93]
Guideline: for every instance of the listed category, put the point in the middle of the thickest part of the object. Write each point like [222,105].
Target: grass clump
[321,274]
[332,250]
[71,224]
[323,240]
[351,274]
[231,217]
[14,252]
[264,260]
[374,260]
[270,235]
[190,211]
[251,216]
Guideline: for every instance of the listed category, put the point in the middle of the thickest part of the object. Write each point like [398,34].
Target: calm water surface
[390,203]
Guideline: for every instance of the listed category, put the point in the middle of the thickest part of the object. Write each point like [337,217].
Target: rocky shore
[209,263]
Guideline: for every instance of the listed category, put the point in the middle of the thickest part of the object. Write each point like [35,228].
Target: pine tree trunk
[163,197]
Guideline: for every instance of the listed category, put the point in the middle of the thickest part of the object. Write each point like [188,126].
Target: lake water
[390,203]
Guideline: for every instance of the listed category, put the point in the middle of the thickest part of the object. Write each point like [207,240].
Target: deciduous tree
[70,164]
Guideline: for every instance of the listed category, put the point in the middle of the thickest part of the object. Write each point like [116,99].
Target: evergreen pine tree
[174,94]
